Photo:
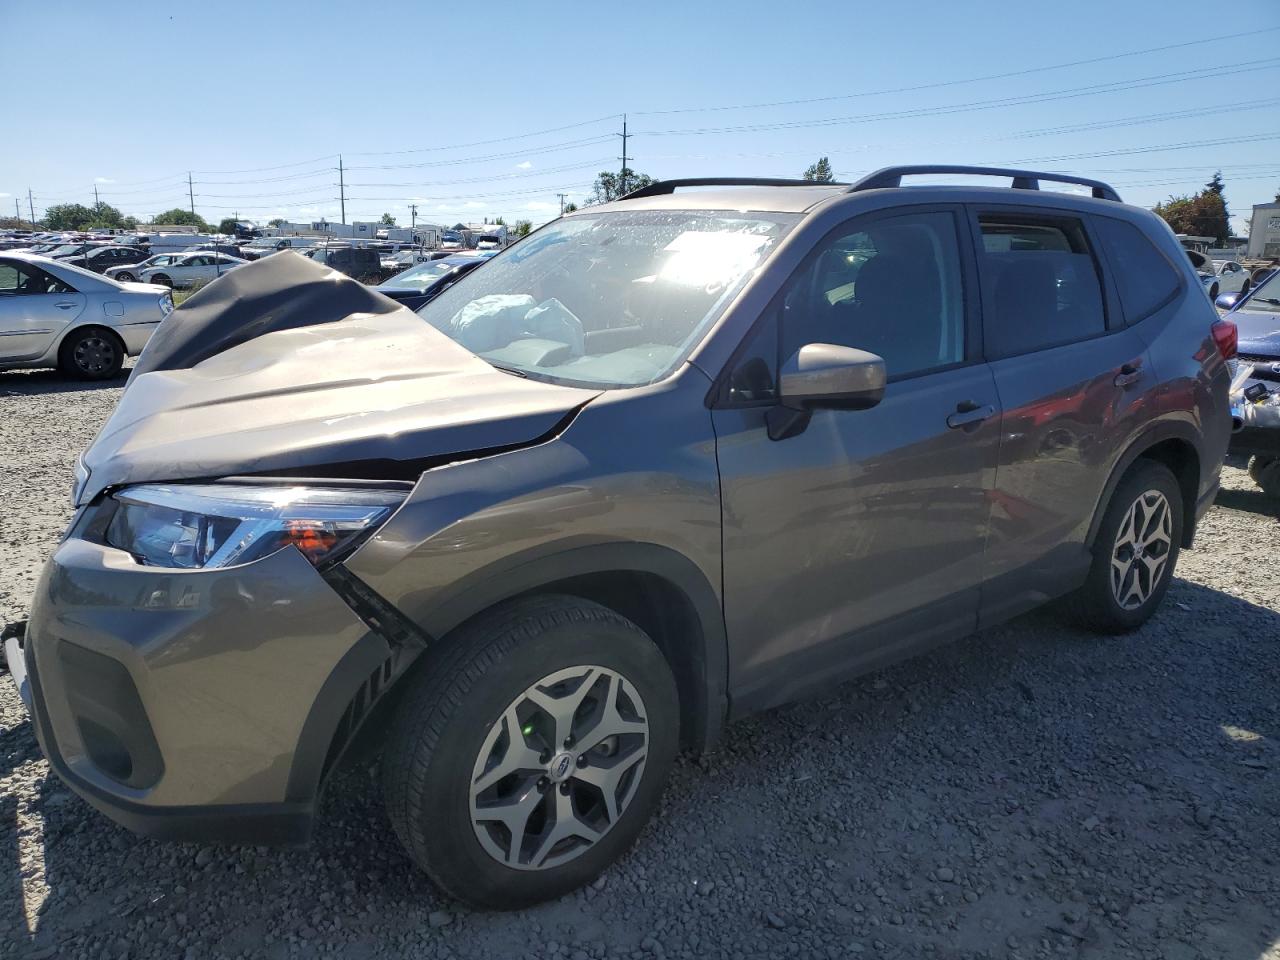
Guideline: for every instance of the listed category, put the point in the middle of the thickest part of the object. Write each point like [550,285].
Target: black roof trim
[663,187]
[889,177]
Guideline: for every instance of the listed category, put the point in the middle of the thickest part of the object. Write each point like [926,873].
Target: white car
[191,268]
[265,246]
[1219,276]
[130,272]
[55,315]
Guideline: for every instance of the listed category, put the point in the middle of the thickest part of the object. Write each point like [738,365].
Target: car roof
[764,199]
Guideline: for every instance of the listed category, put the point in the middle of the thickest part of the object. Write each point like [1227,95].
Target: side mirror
[824,375]
[1226,301]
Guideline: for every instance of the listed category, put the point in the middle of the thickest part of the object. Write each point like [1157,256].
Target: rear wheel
[1134,552]
[1213,292]
[91,353]
[1265,472]
[528,755]
[124,276]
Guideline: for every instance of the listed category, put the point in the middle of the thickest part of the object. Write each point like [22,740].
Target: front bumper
[198,705]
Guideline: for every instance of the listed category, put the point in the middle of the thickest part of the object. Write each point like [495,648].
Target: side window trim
[1110,306]
[969,298]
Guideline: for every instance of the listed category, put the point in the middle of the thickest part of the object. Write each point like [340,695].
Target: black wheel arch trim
[539,568]
[1155,434]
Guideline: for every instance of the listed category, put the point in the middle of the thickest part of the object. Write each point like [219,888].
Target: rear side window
[1042,284]
[1145,279]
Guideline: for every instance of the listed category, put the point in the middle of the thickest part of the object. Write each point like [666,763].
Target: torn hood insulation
[287,367]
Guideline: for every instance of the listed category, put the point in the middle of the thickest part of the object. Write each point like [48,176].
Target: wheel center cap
[561,766]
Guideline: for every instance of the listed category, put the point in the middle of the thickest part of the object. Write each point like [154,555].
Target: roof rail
[1022,179]
[662,187]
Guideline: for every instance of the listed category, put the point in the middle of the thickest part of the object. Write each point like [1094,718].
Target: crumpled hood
[276,373]
[1258,330]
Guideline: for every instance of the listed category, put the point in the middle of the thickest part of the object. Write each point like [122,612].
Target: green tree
[181,217]
[571,206]
[277,222]
[129,223]
[614,186]
[67,216]
[499,222]
[105,215]
[820,172]
[522,228]
[1204,215]
[388,220]
[227,225]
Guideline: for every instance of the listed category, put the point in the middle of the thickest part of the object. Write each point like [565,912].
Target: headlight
[218,525]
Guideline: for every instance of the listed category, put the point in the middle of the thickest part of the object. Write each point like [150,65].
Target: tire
[1097,604]
[91,353]
[1244,287]
[450,732]
[124,276]
[1265,472]
[1213,292]
[162,279]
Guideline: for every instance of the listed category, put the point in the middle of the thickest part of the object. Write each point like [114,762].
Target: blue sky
[485,109]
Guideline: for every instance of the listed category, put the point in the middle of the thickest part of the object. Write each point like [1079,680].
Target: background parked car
[264,246]
[1219,276]
[362,263]
[131,271]
[53,314]
[230,249]
[101,259]
[188,268]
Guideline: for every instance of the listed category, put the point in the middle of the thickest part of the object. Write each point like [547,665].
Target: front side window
[1042,281]
[1145,279]
[607,300]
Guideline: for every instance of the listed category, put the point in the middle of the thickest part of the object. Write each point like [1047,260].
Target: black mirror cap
[1226,301]
[829,375]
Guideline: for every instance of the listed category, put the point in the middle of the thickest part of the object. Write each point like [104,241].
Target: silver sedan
[55,315]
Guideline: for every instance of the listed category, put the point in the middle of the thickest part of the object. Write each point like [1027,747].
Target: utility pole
[31,207]
[563,197]
[622,177]
[191,194]
[17,210]
[342,190]
[413,216]
[97,204]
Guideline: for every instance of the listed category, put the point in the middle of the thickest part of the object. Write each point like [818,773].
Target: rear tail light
[1226,337]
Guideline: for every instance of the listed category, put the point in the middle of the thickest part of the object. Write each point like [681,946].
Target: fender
[1148,438]
[552,563]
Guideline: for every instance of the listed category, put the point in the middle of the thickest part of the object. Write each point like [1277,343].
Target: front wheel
[528,755]
[162,279]
[124,276]
[1134,552]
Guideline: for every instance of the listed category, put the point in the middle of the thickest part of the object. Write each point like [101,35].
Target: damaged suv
[664,463]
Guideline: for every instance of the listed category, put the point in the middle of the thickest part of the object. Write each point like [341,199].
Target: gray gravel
[1030,792]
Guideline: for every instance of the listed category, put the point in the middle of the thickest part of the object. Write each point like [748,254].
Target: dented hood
[287,367]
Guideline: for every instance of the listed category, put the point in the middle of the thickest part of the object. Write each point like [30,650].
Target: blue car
[1255,396]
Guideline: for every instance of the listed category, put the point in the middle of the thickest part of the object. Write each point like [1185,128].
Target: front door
[861,537]
[34,308]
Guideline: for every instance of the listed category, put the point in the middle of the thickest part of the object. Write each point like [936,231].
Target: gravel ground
[1030,792]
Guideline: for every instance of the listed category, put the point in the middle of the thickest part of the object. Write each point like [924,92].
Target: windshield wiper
[514,371]
[1271,300]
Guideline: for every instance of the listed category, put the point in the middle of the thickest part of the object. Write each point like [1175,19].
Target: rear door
[35,307]
[1072,381]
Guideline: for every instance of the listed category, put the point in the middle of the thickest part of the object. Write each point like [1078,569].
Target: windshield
[65,249]
[421,275]
[610,300]
[1267,295]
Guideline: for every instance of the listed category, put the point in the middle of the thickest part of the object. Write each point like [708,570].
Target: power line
[954,83]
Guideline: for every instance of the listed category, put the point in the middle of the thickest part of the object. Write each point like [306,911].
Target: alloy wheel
[1141,550]
[559,768]
[94,355]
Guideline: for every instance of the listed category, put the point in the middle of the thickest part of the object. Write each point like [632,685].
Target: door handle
[1129,374]
[64,305]
[969,413]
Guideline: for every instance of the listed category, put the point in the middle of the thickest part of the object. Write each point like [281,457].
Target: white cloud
[473,204]
[524,166]
[6,194]
[103,180]
[539,205]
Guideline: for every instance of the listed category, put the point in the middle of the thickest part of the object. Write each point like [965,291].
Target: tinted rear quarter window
[1145,279]
[1041,282]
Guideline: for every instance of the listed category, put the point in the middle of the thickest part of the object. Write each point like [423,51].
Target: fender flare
[1154,434]
[549,564]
